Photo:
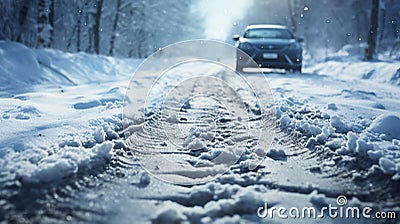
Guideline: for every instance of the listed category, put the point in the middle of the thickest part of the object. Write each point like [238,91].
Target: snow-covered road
[62,157]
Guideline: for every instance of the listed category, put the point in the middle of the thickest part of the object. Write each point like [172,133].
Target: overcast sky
[221,15]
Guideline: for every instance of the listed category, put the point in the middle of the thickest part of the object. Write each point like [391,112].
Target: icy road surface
[62,157]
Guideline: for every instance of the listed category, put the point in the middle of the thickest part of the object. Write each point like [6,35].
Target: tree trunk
[89,48]
[45,28]
[373,31]
[23,14]
[87,34]
[358,12]
[382,16]
[96,28]
[78,35]
[114,30]
[51,21]
[292,15]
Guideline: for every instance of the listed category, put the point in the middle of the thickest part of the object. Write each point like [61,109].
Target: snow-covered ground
[63,157]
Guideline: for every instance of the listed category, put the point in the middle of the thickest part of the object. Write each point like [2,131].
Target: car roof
[256,26]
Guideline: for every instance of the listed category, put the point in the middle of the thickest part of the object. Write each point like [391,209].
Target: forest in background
[121,28]
[328,25]
[126,28]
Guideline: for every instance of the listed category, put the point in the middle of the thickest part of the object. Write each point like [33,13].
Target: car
[270,46]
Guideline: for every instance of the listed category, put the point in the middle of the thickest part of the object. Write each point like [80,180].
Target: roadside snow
[347,64]
[59,112]
[66,162]
[61,117]
[361,116]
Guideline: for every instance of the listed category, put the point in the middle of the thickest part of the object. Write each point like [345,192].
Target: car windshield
[268,33]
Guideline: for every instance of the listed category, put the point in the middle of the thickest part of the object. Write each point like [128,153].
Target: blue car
[270,46]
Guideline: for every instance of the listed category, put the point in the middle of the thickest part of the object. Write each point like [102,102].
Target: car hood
[258,41]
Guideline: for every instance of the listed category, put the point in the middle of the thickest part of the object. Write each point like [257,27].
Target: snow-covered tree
[18,21]
[329,25]
[121,28]
[145,26]
[45,22]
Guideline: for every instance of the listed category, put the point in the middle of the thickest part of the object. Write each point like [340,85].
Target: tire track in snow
[98,196]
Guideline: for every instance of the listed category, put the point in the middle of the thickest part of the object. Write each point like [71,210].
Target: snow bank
[379,71]
[22,69]
[19,68]
[386,72]
[54,130]
[338,124]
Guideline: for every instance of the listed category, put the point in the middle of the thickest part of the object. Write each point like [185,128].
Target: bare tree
[395,48]
[88,33]
[119,28]
[292,15]
[96,28]
[114,28]
[51,20]
[76,30]
[381,26]
[23,14]
[373,31]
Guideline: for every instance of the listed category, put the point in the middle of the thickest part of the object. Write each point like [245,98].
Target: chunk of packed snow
[351,141]
[54,170]
[323,136]
[276,154]
[103,150]
[375,154]
[339,125]
[170,214]
[99,135]
[66,162]
[172,119]
[196,144]
[207,135]
[362,147]
[387,166]
[332,106]
[227,156]
[388,125]
[334,144]
[311,142]
[284,121]
[308,129]
[144,179]
[317,199]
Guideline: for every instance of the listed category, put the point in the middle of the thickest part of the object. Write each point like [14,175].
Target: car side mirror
[300,39]
[236,37]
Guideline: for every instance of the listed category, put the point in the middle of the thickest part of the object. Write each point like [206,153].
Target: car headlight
[245,46]
[294,46]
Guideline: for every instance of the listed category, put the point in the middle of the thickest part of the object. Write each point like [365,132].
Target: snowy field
[63,156]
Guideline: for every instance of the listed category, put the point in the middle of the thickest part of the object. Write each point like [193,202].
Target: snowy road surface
[62,157]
